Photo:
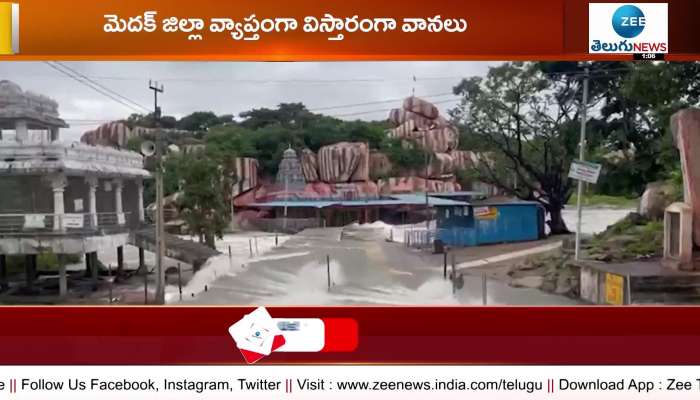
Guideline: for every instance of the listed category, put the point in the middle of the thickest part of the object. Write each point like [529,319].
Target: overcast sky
[233,87]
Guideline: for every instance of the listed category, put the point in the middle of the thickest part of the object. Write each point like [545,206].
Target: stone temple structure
[59,197]
[289,171]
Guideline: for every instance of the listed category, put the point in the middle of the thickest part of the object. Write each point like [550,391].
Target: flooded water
[359,271]
[360,265]
[594,219]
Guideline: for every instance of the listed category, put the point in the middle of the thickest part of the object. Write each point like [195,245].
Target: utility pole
[286,195]
[581,156]
[160,233]
[286,200]
[428,214]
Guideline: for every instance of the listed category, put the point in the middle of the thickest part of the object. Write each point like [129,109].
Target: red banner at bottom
[413,335]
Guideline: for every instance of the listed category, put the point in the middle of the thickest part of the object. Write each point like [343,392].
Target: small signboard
[73,221]
[121,219]
[34,221]
[485,213]
[584,171]
[614,289]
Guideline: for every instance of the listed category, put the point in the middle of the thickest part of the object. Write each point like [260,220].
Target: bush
[403,154]
[634,237]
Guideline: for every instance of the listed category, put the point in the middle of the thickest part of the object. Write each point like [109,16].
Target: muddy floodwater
[594,219]
[362,268]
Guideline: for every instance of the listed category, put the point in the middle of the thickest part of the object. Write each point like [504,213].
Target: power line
[386,109]
[376,102]
[86,119]
[93,87]
[270,81]
[101,86]
[322,81]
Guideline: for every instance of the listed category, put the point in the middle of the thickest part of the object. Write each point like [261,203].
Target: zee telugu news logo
[628,28]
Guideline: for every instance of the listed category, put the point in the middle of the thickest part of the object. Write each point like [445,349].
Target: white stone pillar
[119,208]
[58,185]
[139,187]
[93,183]
[21,131]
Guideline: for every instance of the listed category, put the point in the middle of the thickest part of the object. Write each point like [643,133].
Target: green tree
[286,114]
[201,121]
[265,134]
[147,121]
[205,195]
[635,118]
[635,102]
[530,122]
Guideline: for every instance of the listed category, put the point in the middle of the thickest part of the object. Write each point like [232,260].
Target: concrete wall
[62,244]
[594,288]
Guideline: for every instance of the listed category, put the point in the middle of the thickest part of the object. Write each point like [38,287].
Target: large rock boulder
[441,166]
[400,116]
[685,125]
[463,159]
[440,140]
[113,134]
[419,122]
[117,134]
[344,162]
[246,172]
[414,184]
[309,165]
[656,197]
[422,107]
[406,130]
[379,165]
[355,190]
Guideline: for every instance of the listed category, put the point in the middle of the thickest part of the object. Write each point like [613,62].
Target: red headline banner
[372,335]
[322,30]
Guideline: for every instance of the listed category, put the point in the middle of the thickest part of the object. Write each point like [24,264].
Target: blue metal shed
[488,222]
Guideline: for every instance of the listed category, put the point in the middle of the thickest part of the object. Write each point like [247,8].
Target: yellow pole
[9,28]
[5,28]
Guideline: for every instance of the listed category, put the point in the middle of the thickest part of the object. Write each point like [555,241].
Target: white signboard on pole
[584,171]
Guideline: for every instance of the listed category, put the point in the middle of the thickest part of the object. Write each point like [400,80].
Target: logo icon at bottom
[256,335]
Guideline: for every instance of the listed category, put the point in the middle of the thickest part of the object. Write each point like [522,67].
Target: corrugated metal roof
[393,200]
[419,199]
[502,202]
[461,193]
[296,203]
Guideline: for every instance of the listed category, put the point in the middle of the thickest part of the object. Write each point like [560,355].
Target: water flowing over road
[364,269]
